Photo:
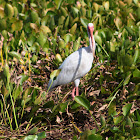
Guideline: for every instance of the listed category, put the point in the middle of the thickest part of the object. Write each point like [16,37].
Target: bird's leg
[72,94]
[77,91]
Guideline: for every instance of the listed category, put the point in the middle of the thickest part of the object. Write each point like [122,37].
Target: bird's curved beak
[91,29]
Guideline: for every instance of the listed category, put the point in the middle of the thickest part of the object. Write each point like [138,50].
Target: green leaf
[58,3]
[117,119]
[63,107]
[136,55]
[9,11]
[34,16]
[84,22]
[33,131]
[129,30]
[3,24]
[136,73]
[14,54]
[94,137]
[23,79]
[41,135]
[127,79]
[31,137]
[103,122]
[66,22]
[45,29]
[67,38]
[41,39]
[82,101]
[98,39]
[126,109]
[17,26]
[55,73]
[58,57]
[118,22]
[112,109]
[129,122]
[6,72]
[73,28]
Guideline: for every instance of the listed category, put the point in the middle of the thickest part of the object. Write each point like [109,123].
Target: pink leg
[72,94]
[77,91]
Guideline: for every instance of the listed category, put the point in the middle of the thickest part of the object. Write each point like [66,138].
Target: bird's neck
[92,45]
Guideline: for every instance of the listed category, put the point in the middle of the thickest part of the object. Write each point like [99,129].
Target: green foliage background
[36,36]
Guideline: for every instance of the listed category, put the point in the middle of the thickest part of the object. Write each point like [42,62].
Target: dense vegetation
[36,36]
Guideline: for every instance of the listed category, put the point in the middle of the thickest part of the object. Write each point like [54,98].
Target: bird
[76,65]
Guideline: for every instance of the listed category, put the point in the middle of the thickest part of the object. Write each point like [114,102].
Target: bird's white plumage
[76,65]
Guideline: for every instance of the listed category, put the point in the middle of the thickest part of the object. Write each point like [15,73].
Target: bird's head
[90,29]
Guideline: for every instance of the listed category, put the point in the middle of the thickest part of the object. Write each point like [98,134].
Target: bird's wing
[74,67]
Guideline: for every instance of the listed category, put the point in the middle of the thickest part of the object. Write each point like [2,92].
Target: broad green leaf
[1,12]
[138,115]
[94,137]
[103,122]
[3,24]
[49,104]
[34,16]
[117,119]
[136,73]
[38,100]
[64,11]
[112,109]
[66,22]
[5,34]
[96,6]
[106,5]
[61,43]
[45,29]
[67,38]
[58,57]
[127,79]
[9,11]
[84,22]
[63,107]
[129,122]
[98,39]
[76,44]
[33,131]
[34,26]
[41,39]
[61,20]
[55,73]
[31,39]
[41,135]
[75,105]
[136,55]
[16,93]
[17,26]
[23,79]
[82,101]
[83,12]
[6,72]
[31,137]
[58,3]
[118,22]
[126,109]
[129,30]
[75,11]
[73,28]
[14,54]
[15,11]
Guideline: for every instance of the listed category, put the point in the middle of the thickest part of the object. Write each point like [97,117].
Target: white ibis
[76,65]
